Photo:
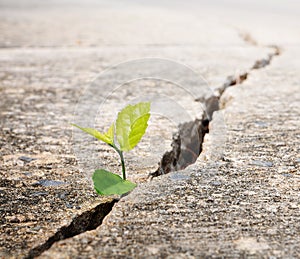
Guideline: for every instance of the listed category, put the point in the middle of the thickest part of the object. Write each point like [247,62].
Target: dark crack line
[187,142]
[267,61]
[86,221]
[186,147]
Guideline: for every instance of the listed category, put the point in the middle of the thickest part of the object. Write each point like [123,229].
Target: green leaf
[107,137]
[131,125]
[111,133]
[107,183]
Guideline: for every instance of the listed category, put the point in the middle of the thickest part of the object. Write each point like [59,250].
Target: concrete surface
[239,201]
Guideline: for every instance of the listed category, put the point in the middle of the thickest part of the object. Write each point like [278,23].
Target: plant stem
[122,161]
[123,165]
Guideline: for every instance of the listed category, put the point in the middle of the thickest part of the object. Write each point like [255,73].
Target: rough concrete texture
[238,201]
[243,205]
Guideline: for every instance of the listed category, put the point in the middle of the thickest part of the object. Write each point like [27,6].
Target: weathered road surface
[241,197]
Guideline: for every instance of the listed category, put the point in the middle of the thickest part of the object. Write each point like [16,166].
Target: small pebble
[179,176]
[69,206]
[36,228]
[26,159]
[215,183]
[261,124]
[49,183]
[38,193]
[261,163]
[61,196]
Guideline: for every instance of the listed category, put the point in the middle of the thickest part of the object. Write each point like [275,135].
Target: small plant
[129,128]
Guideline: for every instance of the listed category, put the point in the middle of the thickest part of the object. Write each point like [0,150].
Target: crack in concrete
[266,61]
[86,221]
[247,38]
[187,142]
[186,148]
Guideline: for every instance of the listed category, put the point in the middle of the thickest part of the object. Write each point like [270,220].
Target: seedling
[128,130]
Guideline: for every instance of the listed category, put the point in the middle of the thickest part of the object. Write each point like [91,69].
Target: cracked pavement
[240,199]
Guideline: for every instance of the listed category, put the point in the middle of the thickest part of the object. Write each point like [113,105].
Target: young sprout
[129,128]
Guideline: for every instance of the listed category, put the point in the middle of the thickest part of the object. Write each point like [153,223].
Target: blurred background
[33,23]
